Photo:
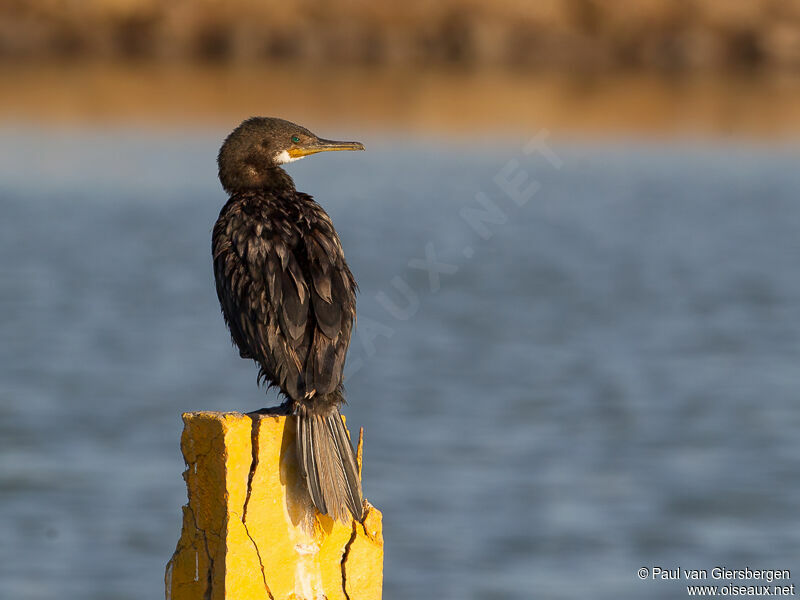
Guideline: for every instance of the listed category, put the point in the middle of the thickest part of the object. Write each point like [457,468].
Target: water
[608,382]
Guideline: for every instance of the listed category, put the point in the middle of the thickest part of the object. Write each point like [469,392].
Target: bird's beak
[320,145]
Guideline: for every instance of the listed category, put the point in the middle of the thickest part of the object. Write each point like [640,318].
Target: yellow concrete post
[249,529]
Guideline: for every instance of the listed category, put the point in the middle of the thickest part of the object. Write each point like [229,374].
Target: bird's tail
[329,464]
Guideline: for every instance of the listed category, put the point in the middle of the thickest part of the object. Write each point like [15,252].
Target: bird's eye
[295,139]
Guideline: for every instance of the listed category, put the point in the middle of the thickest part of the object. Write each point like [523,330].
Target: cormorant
[288,296]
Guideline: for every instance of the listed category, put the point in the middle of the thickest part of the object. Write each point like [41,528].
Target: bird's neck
[272,179]
[276,179]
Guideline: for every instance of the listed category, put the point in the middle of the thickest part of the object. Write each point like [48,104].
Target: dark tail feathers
[329,465]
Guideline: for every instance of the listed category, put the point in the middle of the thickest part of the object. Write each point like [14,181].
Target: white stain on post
[307,575]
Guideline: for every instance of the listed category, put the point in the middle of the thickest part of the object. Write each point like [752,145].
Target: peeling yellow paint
[250,531]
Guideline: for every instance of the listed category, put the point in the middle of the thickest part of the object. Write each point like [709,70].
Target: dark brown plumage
[288,296]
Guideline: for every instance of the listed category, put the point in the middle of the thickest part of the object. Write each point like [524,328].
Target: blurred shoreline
[584,67]
[419,101]
[666,35]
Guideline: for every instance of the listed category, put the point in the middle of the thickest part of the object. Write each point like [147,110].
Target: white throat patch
[283,157]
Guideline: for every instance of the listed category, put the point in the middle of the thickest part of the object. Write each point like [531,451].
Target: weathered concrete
[249,529]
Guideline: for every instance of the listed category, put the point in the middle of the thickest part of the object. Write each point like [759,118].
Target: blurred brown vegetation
[581,66]
[585,34]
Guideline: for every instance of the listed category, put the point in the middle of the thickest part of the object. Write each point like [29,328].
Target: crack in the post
[344,558]
[250,476]
[210,582]
[260,562]
[367,508]
[253,465]
[198,455]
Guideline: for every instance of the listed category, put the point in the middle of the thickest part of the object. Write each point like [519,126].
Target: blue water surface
[598,377]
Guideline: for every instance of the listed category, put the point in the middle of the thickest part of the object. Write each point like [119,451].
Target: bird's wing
[289,304]
[230,277]
[332,291]
[266,304]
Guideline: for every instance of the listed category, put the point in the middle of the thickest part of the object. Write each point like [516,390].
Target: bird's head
[255,148]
